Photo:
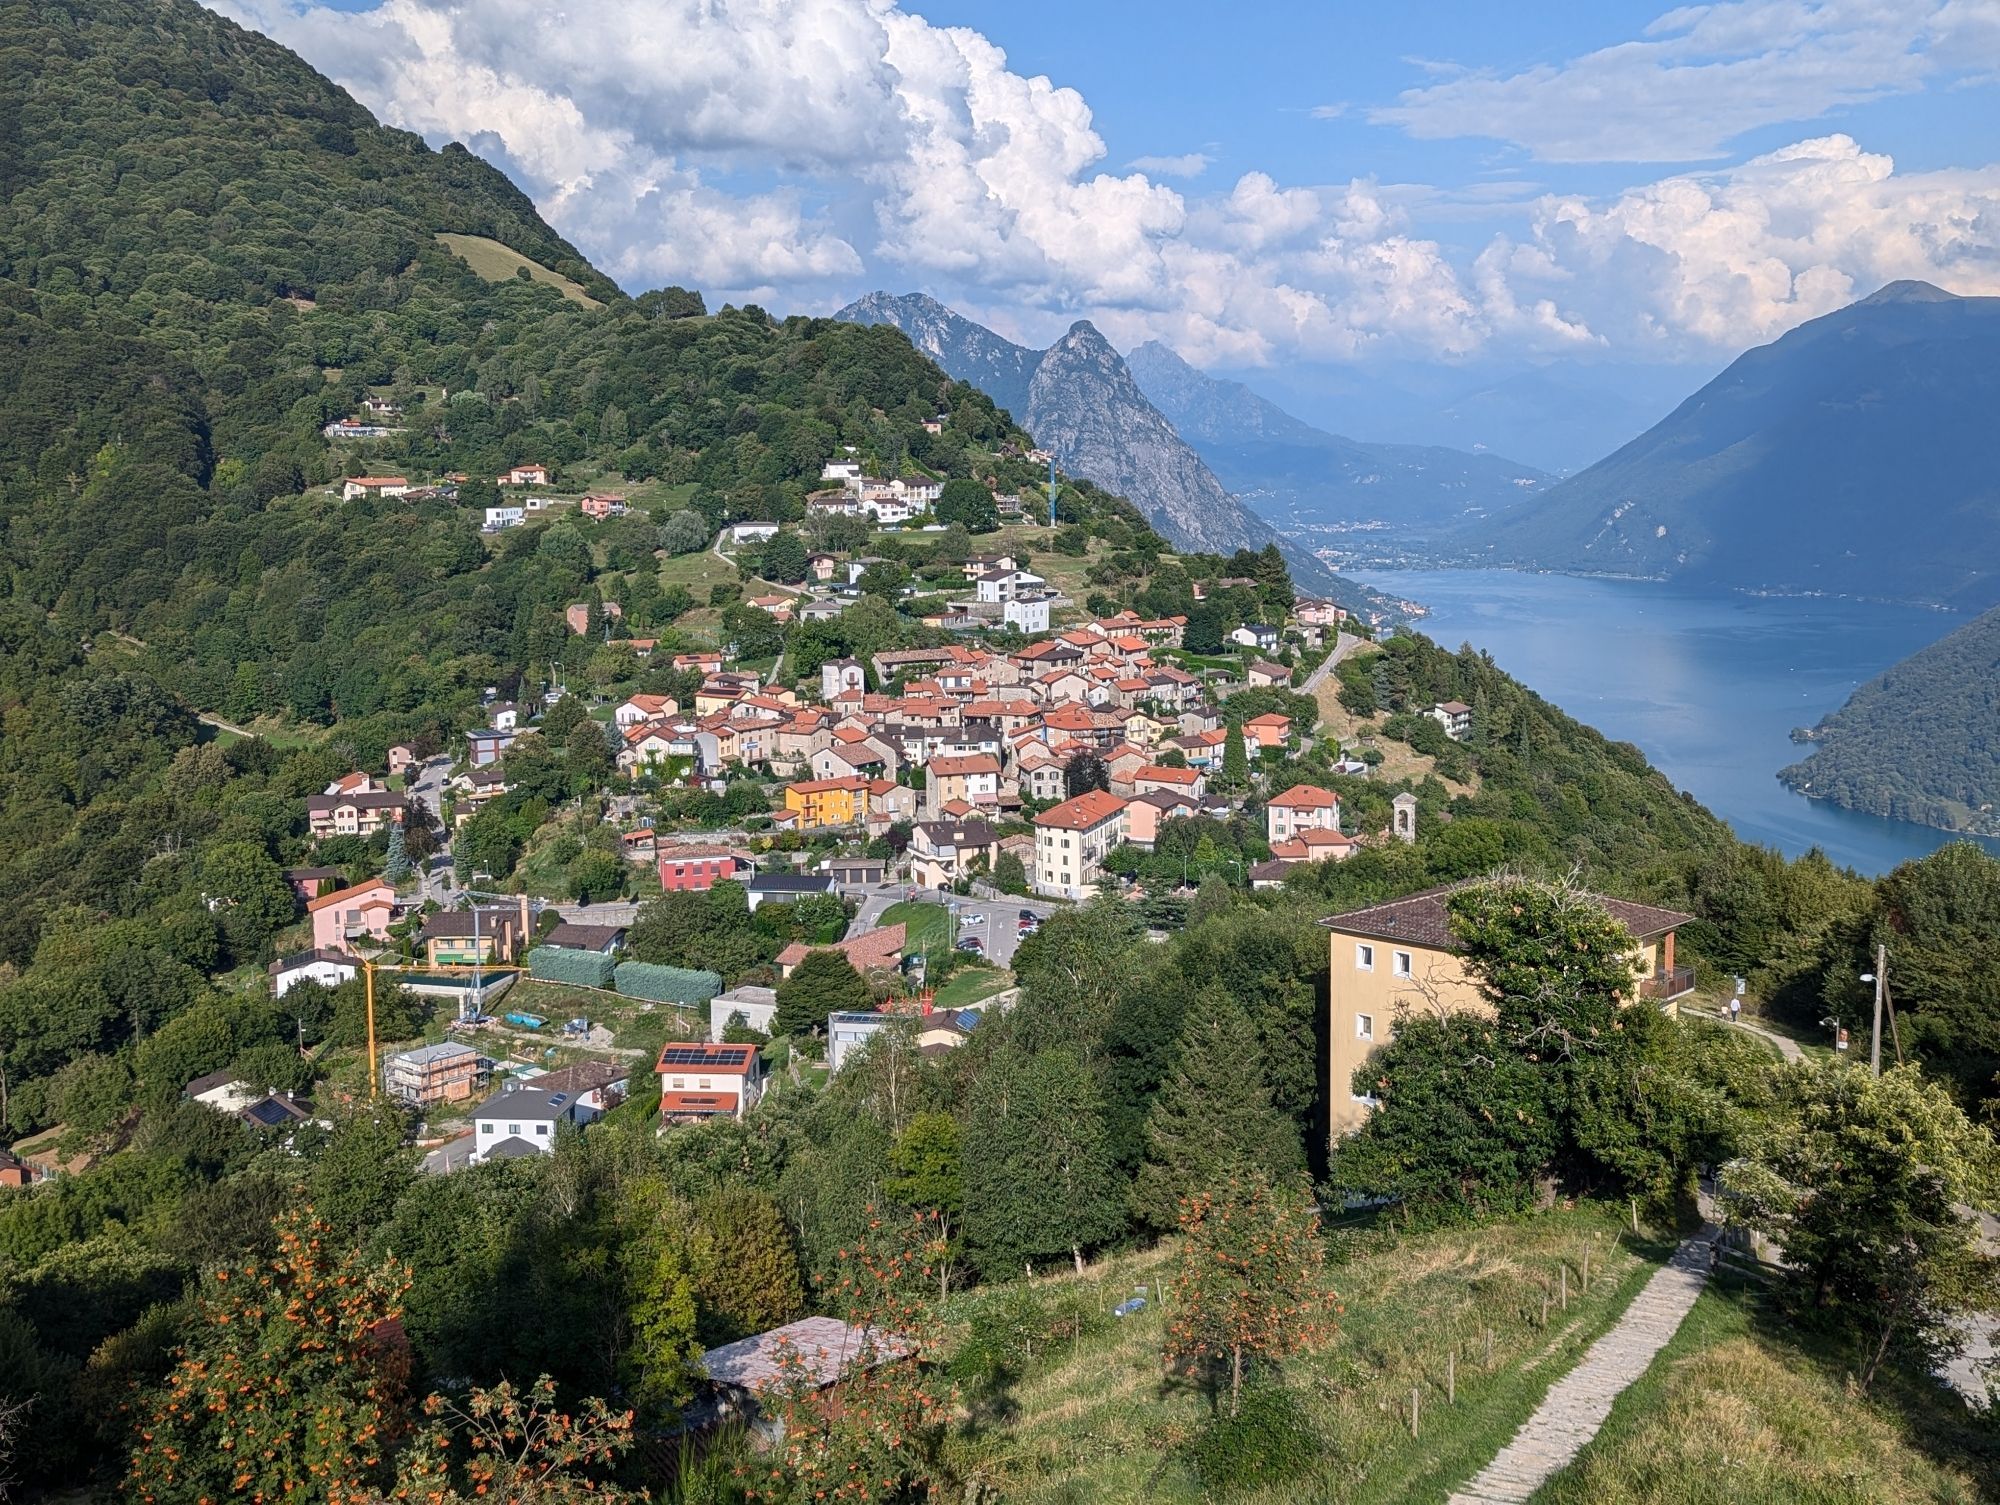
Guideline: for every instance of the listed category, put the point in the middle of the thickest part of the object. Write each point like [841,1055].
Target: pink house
[348,915]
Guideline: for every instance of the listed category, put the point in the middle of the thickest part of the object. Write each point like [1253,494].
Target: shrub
[588,969]
[1270,1440]
[667,984]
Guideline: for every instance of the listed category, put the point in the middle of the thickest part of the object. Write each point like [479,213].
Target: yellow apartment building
[1389,958]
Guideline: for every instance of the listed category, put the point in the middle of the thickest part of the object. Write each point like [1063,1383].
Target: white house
[504,517]
[1455,716]
[756,1006]
[1027,614]
[998,587]
[521,1120]
[643,708]
[752,532]
[847,1032]
[375,485]
[326,969]
[1255,635]
[841,675]
[840,470]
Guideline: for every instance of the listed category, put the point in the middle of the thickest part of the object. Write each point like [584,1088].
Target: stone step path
[1577,1404]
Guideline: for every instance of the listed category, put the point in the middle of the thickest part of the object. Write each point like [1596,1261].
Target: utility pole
[1880,977]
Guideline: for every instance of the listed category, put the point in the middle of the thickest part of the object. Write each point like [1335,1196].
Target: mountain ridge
[1082,403]
[1780,473]
[1297,475]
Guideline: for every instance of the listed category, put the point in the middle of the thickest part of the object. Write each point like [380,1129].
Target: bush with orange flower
[292,1385]
[1250,1284]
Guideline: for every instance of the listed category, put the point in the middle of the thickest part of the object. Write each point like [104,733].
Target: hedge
[591,969]
[667,984]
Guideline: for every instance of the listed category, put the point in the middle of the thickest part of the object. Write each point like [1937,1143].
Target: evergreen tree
[824,983]
[1213,1117]
[1235,761]
[396,866]
[746,1270]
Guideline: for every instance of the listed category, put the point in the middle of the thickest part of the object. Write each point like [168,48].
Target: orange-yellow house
[1402,955]
[827,802]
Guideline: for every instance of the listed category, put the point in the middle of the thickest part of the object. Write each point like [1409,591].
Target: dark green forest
[1920,741]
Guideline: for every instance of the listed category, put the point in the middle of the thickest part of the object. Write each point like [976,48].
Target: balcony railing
[1674,982]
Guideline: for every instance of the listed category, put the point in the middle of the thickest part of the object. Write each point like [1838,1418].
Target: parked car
[969,943]
[975,918]
[1029,914]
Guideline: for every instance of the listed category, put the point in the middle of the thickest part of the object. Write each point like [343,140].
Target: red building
[694,868]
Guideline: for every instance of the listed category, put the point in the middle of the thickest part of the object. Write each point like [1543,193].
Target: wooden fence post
[1414,1403]
[1562,1274]
[1489,1350]
[1451,1377]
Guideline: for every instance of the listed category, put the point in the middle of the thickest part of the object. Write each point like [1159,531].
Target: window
[513,1128]
[1399,963]
[542,1131]
[1364,958]
[487,1128]
[1364,1026]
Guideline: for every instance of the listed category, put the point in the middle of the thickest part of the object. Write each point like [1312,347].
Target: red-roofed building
[1071,840]
[876,950]
[1269,730]
[700,1079]
[1303,807]
[1156,776]
[350,915]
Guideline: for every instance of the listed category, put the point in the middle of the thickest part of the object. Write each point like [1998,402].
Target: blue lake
[1710,686]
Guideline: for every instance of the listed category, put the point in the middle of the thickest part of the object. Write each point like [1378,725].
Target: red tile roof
[1089,809]
[1305,797]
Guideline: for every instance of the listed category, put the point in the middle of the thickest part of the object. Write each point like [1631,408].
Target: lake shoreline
[1709,683]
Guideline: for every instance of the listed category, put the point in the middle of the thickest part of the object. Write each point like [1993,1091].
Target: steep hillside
[1300,477]
[1921,741]
[1081,401]
[1856,455]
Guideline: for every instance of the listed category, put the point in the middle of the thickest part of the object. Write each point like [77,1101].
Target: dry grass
[1731,1412]
[1091,1420]
[498,263]
[1399,759]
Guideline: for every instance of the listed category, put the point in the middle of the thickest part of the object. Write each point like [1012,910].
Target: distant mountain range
[1299,476]
[1920,741]
[1080,401]
[1857,455]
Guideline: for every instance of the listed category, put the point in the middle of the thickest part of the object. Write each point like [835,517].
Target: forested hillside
[1920,741]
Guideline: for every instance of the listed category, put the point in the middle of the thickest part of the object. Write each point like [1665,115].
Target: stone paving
[1577,1404]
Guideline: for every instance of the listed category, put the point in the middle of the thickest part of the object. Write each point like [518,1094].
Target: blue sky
[1373,211]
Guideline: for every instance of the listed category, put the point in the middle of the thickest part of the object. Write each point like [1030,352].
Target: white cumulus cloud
[801,151]
[1702,75]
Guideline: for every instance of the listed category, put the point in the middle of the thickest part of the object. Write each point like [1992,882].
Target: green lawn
[971,986]
[929,924]
[1088,1417]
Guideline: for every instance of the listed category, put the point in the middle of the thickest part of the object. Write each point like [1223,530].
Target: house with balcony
[1389,958]
[1455,716]
[827,802]
[943,851]
[361,813]
[1071,840]
[1303,807]
[707,1079]
[350,917]
[487,936]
